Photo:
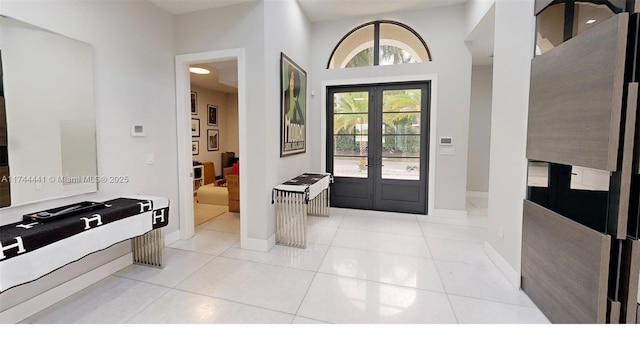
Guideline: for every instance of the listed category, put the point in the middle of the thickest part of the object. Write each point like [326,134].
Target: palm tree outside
[401,132]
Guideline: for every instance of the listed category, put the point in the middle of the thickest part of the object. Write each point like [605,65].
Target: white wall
[287,31]
[479,128]
[475,10]
[443,29]
[233,133]
[284,28]
[226,121]
[134,83]
[513,51]
[231,28]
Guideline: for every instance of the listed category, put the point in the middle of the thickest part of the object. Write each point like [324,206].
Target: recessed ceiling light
[591,21]
[200,71]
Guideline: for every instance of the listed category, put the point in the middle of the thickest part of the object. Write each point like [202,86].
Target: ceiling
[481,39]
[327,10]
[316,10]
[185,6]
[223,76]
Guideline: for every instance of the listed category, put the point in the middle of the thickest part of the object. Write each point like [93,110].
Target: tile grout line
[317,270]
[448,239]
[193,251]
[407,218]
[455,316]
[464,263]
[149,304]
[383,283]
[485,299]
[471,227]
[413,256]
[226,232]
[199,268]
[385,253]
[168,287]
[200,294]
[221,255]
[380,232]
[329,247]
[306,317]
[496,301]
[262,263]
[275,265]
[327,273]
[305,293]
[234,301]
[200,252]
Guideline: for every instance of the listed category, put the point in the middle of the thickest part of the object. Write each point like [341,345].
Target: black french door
[377,146]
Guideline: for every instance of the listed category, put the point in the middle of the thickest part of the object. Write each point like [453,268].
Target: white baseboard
[171,237]
[478,194]
[258,244]
[40,302]
[512,275]
[445,213]
[271,241]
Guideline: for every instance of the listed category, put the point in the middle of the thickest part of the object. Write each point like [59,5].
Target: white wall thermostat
[446,141]
[138,130]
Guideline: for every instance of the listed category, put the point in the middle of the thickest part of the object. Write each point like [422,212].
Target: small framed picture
[195,147]
[195,127]
[194,103]
[213,140]
[212,115]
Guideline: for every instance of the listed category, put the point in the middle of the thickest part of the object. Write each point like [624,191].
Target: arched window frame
[376,42]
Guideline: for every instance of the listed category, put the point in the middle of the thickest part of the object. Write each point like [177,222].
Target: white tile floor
[359,267]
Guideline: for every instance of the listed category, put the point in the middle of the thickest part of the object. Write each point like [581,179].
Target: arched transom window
[379,43]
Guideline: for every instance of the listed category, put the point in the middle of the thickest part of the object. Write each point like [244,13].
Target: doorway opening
[208,136]
[378,146]
[214,138]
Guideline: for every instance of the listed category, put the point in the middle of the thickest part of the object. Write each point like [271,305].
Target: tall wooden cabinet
[580,253]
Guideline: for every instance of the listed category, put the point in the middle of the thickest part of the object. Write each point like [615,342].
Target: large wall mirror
[48,144]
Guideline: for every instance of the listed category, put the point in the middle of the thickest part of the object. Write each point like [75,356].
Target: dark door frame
[376,192]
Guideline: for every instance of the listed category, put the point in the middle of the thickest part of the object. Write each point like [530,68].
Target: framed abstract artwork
[195,127]
[213,140]
[212,115]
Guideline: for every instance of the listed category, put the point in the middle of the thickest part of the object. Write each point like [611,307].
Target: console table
[32,249]
[307,194]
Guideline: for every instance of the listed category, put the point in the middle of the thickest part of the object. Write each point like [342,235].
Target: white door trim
[183,127]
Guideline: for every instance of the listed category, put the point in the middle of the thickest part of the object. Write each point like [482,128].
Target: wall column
[513,51]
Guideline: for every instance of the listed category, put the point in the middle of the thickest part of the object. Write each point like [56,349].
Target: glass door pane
[401,133]
[351,134]
[550,25]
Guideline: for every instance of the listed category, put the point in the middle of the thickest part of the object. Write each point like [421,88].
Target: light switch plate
[138,130]
[447,151]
